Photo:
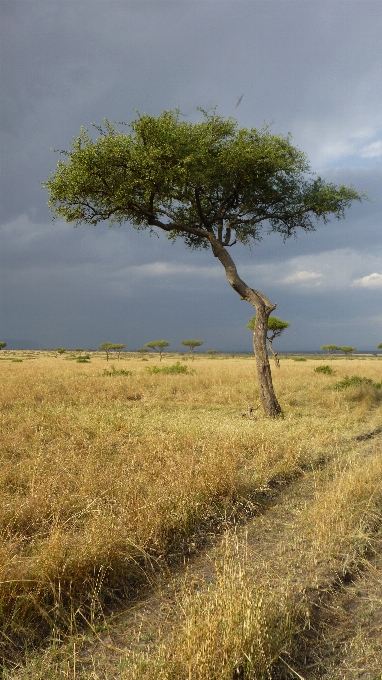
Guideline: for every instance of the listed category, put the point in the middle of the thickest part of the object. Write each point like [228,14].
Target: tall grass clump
[326,370]
[168,370]
[355,381]
[116,371]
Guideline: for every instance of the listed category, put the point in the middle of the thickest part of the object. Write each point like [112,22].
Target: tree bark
[263,308]
[275,354]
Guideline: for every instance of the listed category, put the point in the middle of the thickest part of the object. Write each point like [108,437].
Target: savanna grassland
[112,478]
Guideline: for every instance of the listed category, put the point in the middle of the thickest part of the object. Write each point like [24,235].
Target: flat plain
[151,529]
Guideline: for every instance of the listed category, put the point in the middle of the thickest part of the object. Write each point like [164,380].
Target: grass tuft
[175,368]
[326,370]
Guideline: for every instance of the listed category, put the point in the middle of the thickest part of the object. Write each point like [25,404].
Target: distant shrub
[83,360]
[16,360]
[355,381]
[327,370]
[175,368]
[299,358]
[116,371]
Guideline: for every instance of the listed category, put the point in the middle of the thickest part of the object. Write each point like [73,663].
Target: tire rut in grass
[272,540]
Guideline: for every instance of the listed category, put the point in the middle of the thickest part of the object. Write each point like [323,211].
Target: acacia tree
[158,346]
[106,347]
[275,328]
[3,344]
[210,183]
[331,349]
[192,344]
[348,351]
[379,346]
[119,347]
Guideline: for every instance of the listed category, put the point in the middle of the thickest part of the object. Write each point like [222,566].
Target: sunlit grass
[102,477]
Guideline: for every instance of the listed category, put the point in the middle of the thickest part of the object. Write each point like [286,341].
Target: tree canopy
[106,347]
[193,180]
[348,350]
[192,344]
[158,346]
[274,324]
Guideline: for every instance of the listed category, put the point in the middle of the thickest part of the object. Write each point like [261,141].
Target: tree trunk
[264,376]
[275,354]
[263,308]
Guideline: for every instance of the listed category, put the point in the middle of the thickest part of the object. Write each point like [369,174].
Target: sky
[308,67]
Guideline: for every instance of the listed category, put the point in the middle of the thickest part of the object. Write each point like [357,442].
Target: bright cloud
[168,268]
[303,276]
[370,281]
[372,150]
[331,270]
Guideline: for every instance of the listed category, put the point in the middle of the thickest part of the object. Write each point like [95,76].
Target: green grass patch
[326,370]
[116,371]
[355,381]
[175,368]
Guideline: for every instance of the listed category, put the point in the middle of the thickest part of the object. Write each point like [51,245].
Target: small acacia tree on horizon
[275,328]
[192,344]
[158,346]
[210,183]
[348,351]
[106,347]
[118,348]
[331,349]
[379,346]
[3,344]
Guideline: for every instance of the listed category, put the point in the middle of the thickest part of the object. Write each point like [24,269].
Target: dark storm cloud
[311,67]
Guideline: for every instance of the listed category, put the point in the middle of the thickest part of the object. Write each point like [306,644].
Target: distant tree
[143,350]
[79,350]
[331,349]
[119,347]
[158,346]
[2,345]
[211,352]
[106,347]
[275,328]
[379,346]
[348,351]
[60,350]
[209,183]
[192,344]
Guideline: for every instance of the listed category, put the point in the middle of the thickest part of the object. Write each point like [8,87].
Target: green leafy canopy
[157,344]
[199,181]
[274,324]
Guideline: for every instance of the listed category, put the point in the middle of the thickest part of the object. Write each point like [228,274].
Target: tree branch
[256,298]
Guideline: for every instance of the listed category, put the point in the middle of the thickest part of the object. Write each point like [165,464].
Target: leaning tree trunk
[263,308]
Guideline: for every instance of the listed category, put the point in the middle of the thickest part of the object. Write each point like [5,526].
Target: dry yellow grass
[250,616]
[103,476]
